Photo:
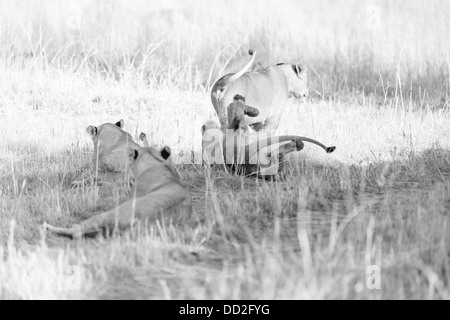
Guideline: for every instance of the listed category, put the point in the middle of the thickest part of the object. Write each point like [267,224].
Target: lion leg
[90,226]
[143,138]
[72,232]
[222,113]
[251,111]
[148,208]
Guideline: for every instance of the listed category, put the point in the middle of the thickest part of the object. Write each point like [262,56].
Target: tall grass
[380,47]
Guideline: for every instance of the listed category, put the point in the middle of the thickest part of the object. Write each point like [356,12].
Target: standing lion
[268,90]
[158,195]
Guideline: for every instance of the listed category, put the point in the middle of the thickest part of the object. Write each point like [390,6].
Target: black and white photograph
[233,157]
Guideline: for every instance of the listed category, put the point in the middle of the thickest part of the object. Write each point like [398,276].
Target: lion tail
[74,232]
[222,82]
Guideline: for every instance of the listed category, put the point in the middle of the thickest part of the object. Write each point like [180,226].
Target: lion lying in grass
[158,194]
[267,89]
[110,157]
[247,152]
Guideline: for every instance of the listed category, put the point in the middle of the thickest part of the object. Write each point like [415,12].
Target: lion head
[297,78]
[111,145]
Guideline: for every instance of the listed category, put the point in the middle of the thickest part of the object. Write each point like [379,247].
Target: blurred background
[384,48]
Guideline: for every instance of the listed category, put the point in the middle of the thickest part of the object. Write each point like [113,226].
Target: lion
[269,89]
[111,143]
[247,152]
[158,194]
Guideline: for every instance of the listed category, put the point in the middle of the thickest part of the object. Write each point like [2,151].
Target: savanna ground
[379,77]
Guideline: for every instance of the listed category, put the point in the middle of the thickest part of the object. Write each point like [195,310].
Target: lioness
[268,89]
[111,145]
[247,152]
[158,194]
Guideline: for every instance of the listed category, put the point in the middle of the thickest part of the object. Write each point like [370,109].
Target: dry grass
[381,199]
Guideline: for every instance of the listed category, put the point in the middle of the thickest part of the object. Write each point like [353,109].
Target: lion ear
[133,153]
[120,123]
[165,153]
[299,68]
[92,131]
